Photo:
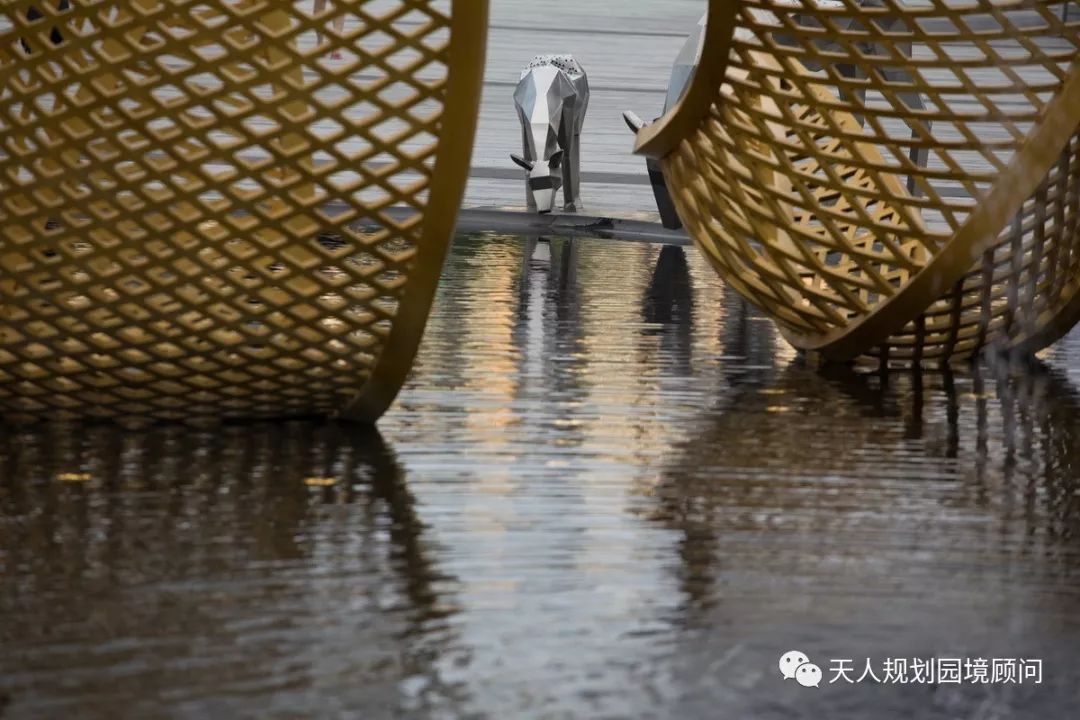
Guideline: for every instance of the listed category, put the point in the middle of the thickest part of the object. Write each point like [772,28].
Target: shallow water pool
[608,490]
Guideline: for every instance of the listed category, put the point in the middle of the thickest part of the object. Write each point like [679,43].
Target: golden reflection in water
[709,316]
[612,343]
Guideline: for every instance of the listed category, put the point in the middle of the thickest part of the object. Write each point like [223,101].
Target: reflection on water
[609,489]
[206,569]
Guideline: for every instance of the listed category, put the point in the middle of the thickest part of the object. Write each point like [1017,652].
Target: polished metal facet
[551,98]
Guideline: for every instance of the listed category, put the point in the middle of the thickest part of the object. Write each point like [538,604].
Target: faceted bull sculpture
[551,99]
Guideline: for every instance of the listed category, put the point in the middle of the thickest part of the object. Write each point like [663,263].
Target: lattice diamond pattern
[210,208]
[1023,291]
[853,140]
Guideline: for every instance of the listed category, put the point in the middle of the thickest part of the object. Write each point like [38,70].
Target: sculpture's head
[544,179]
[542,97]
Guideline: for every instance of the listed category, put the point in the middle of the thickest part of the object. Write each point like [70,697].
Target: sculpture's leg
[571,171]
[530,202]
[919,152]
[858,97]
[669,216]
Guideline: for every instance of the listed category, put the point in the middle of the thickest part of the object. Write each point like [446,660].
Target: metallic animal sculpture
[681,73]
[552,97]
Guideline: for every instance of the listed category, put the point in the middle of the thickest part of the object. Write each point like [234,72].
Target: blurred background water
[608,490]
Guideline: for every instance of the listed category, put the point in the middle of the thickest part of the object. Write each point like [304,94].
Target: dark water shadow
[667,309]
[851,515]
[179,568]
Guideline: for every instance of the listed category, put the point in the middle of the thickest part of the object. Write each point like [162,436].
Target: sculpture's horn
[525,164]
[633,121]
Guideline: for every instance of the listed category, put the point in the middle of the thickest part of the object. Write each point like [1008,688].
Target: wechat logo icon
[795,665]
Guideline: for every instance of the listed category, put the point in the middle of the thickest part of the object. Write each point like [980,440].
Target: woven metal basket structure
[229,208]
[891,179]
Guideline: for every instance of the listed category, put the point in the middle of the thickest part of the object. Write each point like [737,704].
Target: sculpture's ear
[633,121]
[525,164]
[555,159]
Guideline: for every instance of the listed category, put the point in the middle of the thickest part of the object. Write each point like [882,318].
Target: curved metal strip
[661,137]
[464,85]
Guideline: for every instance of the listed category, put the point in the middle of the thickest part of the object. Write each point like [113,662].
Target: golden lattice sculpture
[887,178]
[234,208]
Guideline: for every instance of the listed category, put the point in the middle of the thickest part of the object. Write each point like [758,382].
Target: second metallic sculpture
[682,71]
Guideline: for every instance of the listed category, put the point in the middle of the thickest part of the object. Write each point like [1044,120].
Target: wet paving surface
[608,490]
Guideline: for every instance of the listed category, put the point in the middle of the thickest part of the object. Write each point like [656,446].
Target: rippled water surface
[608,490]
